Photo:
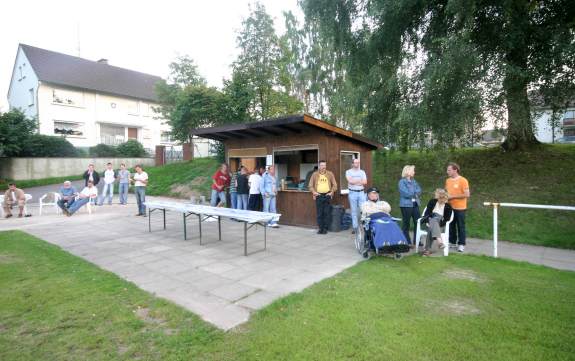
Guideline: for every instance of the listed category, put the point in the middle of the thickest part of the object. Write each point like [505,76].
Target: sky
[139,35]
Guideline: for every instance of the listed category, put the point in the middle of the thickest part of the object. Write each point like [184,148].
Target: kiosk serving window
[295,165]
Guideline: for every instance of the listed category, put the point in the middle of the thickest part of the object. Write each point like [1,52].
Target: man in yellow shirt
[458,189]
[322,185]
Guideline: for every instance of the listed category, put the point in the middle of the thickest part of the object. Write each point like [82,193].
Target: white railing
[496,206]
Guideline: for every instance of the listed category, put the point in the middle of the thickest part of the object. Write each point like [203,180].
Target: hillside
[542,176]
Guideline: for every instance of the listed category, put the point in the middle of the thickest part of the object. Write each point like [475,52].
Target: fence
[173,154]
[516,205]
[39,168]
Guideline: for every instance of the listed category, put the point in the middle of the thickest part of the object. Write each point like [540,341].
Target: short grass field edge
[56,306]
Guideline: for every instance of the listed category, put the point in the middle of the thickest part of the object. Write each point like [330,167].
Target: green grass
[55,306]
[542,176]
[23,184]
[193,177]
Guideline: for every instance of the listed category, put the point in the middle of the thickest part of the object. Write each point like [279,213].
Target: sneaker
[320,231]
[461,248]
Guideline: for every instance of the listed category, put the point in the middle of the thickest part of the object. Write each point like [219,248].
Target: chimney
[103,61]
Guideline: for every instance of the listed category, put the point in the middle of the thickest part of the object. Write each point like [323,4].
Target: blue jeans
[270,206]
[356,199]
[242,202]
[78,204]
[123,192]
[141,198]
[108,188]
[66,203]
[215,195]
[234,199]
[457,228]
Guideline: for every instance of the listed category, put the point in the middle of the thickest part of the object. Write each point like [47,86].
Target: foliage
[372,311]
[103,150]
[448,64]
[15,130]
[38,145]
[131,148]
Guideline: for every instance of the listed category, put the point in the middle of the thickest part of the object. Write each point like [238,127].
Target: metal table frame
[203,218]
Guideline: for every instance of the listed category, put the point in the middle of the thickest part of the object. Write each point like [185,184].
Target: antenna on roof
[78,37]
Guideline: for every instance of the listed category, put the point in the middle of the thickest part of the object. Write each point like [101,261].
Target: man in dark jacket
[91,175]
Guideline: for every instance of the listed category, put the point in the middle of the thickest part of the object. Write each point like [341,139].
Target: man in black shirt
[243,189]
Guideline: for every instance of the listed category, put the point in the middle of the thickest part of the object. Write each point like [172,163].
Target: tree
[15,130]
[40,145]
[259,66]
[466,58]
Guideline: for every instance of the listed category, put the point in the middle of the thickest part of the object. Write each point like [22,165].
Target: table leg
[150,220]
[185,231]
[164,218]
[220,227]
[200,227]
[265,237]
[245,238]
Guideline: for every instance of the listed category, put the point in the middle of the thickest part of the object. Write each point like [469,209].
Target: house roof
[62,69]
[294,124]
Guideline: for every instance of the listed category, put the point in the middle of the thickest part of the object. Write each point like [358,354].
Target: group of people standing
[71,201]
[255,192]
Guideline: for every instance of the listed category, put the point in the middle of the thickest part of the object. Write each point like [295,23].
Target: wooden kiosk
[295,145]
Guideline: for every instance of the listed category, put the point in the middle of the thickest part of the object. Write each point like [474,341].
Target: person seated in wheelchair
[381,231]
[436,215]
[374,204]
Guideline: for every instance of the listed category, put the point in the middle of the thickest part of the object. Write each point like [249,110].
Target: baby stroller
[380,234]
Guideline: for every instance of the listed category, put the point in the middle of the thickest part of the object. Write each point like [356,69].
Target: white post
[495,236]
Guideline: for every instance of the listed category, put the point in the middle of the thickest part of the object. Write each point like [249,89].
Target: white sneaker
[460,248]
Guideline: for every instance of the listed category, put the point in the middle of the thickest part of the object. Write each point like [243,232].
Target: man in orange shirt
[458,189]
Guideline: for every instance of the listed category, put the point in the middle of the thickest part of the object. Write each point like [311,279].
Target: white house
[563,129]
[88,102]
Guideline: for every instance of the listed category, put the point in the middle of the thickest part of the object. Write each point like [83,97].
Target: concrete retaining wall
[39,168]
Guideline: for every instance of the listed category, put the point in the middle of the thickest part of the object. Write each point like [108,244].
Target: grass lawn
[55,306]
[23,184]
[541,176]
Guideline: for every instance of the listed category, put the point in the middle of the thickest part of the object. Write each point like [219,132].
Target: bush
[103,150]
[38,145]
[132,148]
[15,129]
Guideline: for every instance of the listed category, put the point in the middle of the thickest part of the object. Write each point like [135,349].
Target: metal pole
[245,238]
[220,227]
[495,231]
[200,227]
[185,231]
[150,220]
[164,218]
[265,237]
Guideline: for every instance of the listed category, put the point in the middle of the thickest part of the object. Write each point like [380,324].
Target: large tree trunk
[520,133]
[520,125]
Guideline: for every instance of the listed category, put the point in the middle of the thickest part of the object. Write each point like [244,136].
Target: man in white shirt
[88,193]
[140,180]
[109,179]
[356,181]
[255,197]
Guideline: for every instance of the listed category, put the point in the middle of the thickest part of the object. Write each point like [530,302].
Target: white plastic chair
[2,206]
[28,198]
[423,232]
[89,206]
[54,203]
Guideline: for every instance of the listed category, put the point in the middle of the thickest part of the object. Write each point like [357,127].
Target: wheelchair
[379,234]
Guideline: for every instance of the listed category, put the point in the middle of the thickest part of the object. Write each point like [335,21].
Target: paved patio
[215,280]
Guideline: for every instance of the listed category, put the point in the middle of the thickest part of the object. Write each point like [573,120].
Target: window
[68,128]
[569,118]
[345,160]
[112,134]
[132,107]
[20,73]
[166,137]
[295,165]
[31,95]
[67,97]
